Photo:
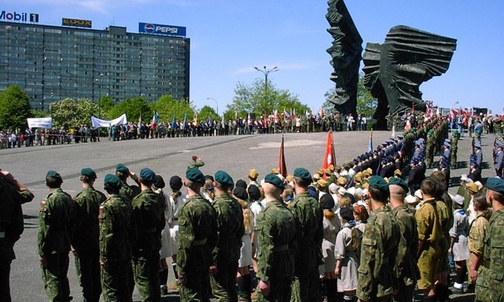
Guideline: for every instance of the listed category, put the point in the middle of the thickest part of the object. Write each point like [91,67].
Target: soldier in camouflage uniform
[429,148]
[12,194]
[430,233]
[115,233]
[84,237]
[127,192]
[230,231]
[376,277]
[148,216]
[489,283]
[197,239]
[406,267]
[277,235]
[309,214]
[55,218]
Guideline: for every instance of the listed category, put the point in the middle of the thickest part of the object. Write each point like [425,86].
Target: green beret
[399,182]
[195,175]
[88,172]
[53,174]
[495,184]
[274,180]
[122,168]
[379,183]
[303,174]
[148,174]
[223,178]
[112,181]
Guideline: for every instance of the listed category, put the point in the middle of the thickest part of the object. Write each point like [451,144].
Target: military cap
[400,136]
[159,183]
[347,213]
[53,174]
[290,177]
[327,171]
[414,161]
[473,188]
[447,144]
[316,176]
[122,168]
[195,175]
[194,157]
[379,183]
[397,173]
[358,177]
[252,173]
[499,144]
[327,201]
[331,167]
[458,199]
[322,182]
[303,174]
[275,171]
[175,183]
[399,182]
[477,144]
[88,172]
[223,178]
[112,181]
[495,184]
[274,180]
[148,174]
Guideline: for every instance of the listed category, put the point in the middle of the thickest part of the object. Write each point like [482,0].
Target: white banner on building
[98,123]
[43,122]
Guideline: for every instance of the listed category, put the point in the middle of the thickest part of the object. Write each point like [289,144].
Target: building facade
[51,63]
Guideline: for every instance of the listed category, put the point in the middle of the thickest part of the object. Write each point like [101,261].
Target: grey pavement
[167,157]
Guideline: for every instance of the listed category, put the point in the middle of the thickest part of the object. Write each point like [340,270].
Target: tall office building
[51,63]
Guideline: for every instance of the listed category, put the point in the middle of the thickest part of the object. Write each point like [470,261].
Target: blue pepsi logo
[149,28]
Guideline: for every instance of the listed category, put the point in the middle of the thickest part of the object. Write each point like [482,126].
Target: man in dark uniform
[197,239]
[148,216]
[115,242]
[277,234]
[84,238]
[12,194]
[309,214]
[55,218]
[230,231]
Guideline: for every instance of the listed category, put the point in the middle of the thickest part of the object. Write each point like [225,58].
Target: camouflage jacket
[115,229]
[197,229]
[309,216]
[376,277]
[277,231]
[406,264]
[85,232]
[229,229]
[55,217]
[148,216]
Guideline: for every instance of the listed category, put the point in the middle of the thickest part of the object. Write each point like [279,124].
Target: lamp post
[266,72]
[216,104]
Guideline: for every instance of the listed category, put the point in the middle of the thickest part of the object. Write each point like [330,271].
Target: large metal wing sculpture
[346,52]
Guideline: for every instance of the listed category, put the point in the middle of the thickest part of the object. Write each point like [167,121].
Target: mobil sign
[159,29]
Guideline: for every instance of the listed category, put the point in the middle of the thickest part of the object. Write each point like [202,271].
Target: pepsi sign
[159,29]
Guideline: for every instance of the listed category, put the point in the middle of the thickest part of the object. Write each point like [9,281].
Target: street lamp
[216,104]
[266,71]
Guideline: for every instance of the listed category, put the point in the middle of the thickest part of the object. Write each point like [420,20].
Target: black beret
[327,201]
[175,183]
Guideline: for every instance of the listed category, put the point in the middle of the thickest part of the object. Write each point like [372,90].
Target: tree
[207,112]
[134,108]
[167,107]
[366,103]
[258,99]
[69,113]
[14,108]
[106,103]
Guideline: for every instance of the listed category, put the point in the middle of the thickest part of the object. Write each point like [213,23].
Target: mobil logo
[13,16]
[149,28]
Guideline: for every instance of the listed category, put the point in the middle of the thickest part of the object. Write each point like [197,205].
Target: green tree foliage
[105,103]
[69,113]
[134,108]
[207,112]
[366,103]
[259,99]
[14,108]
[167,107]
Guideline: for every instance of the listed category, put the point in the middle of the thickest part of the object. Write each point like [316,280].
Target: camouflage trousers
[224,282]
[87,267]
[115,281]
[146,272]
[54,276]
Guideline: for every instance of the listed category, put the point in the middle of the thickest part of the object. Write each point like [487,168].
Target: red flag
[281,160]
[329,157]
